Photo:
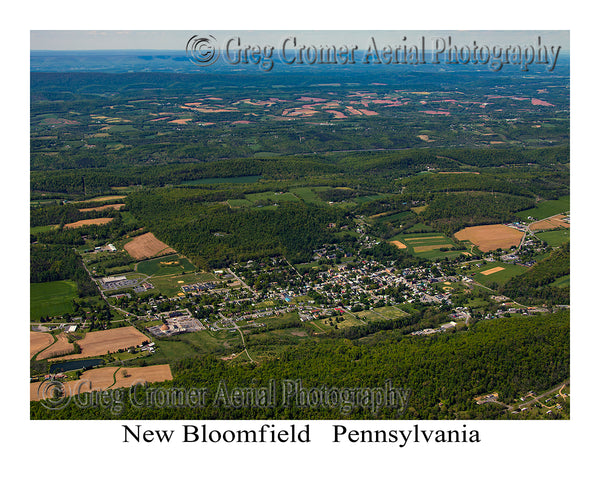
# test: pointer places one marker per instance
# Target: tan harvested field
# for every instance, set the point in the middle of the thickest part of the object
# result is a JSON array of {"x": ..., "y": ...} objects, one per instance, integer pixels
[
  {"x": 492, "y": 270},
  {"x": 416, "y": 239},
  {"x": 104, "y": 199},
  {"x": 420, "y": 209},
  {"x": 491, "y": 237},
  {"x": 106, "y": 341},
  {"x": 398, "y": 244},
  {"x": 116, "y": 206},
  {"x": 90, "y": 221},
  {"x": 147, "y": 246},
  {"x": 427, "y": 248},
  {"x": 549, "y": 223},
  {"x": 38, "y": 341},
  {"x": 91, "y": 380},
  {"x": 153, "y": 373},
  {"x": 60, "y": 347},
  {"x": 104, "y": 378}
]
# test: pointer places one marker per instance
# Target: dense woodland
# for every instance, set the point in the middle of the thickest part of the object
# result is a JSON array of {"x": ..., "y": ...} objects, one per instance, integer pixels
[{"x": 443, "y": 373}]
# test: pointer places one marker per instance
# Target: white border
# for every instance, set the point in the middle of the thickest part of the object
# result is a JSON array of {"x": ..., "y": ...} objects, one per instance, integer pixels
[{"x": 94, "y": 449}]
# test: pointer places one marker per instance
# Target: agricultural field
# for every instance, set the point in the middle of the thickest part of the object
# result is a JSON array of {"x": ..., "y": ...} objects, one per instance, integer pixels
[
  {"x": 107, "y": 377},
  {"x": 555, "y": 238},
  {"x": 564, "y": 281},
  {"x": 239, "y": 202},
  {"x": 547, "y": 208},
  {"x": 114, "y": 206},
  {"x": 426, "y": 245},
  {"x": 51, "y": 298},
  {"x": 557, "y": 221},
  {"x": 169, "y": 265},
  {"x": 106, "y": 198},
  {"x": 309, "y": 194},
  {"x": 106, "y": 341},
  {"x": 274, "y": 197},
  {"x": 58, "y": 348},
  {"x": 38, "y": 341},
  {"x": 491, "y": 237},
  {"x": 147, "y": 246},
  {"x": 89, "y": 221},
  {"x": 42, "y": 228}
]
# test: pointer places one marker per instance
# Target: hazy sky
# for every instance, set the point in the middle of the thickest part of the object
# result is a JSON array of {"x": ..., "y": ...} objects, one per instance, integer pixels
[{"x": 177, "y": 39}]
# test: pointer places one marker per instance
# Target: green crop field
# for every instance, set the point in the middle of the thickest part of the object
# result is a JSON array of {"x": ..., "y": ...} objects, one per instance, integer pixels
[
  {"x": 239, "y": 202},
  {"x": 43, "y": 228},
  {"x": 309, "y": 194},
  {"x": 555, "y": 238},
  {"x": 564, "y": 281},
  {"x": 169, "y": 265},
  {"x": 51, "y": 298},
  {"x": 547, "y": 208},
  {"x": 275, "y": 197}
]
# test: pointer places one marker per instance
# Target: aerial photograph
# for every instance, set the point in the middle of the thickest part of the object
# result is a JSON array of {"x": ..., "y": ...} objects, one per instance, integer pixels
[{"x": 299, "y": 225}]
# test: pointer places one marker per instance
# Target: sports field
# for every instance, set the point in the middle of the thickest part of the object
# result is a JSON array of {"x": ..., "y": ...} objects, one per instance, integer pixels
[
  {"x": 497, "y": 272},
  {"x": 51, "y": 298},
  {"x": 169, "y": 265}
]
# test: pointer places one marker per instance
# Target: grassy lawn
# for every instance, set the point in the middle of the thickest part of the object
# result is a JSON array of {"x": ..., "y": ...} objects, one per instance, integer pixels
[{"x": 51, "y": 298}]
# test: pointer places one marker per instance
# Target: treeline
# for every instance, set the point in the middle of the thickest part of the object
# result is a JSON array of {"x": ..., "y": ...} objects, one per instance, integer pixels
[
  {"x": 451, "y": 212},
  {"x": 49, "y": 263},
  {"x": 63, "y": 214},
  {"x": 376, "y": 170},
  {"x": 98, "y": 234},
  {"x": 533, "y": 286},
  {"x": 443, "y": 373},
  {"x": 521, "y": 183}
]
